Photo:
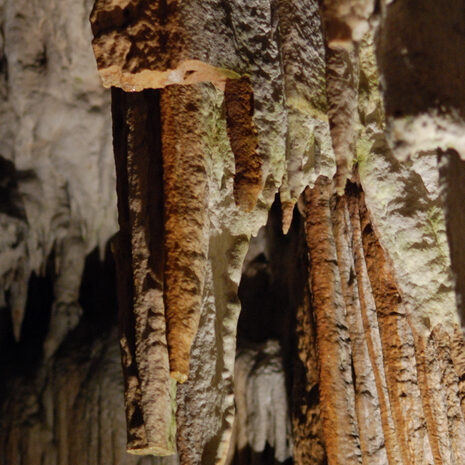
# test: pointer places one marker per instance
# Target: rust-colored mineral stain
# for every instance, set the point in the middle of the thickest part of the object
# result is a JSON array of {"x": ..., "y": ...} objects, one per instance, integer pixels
[
  {"x": 337, "y": 399},
  {"x": 400, "y": 349},
  {"x": 371, "y": 328},
  {"x": 186, "y": 223},
  {"x": 243, "y": 138}
]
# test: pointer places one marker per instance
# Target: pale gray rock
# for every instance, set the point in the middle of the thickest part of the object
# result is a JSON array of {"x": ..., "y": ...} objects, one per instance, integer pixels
[
  {"x": 405, "y": 202},
  {"x": 55, "y": 138}
]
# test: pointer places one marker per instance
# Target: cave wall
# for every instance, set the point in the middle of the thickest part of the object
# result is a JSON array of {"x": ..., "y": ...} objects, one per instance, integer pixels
[{"x": 289, "y": 270}]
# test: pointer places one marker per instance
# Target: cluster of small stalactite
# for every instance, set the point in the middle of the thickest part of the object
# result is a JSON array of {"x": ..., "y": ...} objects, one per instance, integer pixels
[
  {"x": 223, "y": 113},
  {"x": 388, "y": 393},
  {"x": 218, "y": 107}
]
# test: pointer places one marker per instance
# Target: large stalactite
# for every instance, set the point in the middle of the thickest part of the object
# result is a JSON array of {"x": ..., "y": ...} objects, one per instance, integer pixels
[{"x": 289, "y": 260}]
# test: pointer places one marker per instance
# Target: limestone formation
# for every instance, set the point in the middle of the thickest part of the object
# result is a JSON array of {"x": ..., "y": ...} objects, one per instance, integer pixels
[
  {"x": 250, "y": 331},
  {"x": 140, "y": 260},
  {"x": 239, "y": 105},
  {"x": 309, "y": 150},
  {"x": 186, "y": 224}
]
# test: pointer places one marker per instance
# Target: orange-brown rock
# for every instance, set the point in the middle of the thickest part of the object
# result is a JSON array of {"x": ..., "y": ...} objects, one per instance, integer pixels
[
  {"x": 238, "y": 95},
  {"x": 337, "y": 396},
  {"x": 142, "y": 44},
  {"x": 258, "y": 97},
  {"x": 309, "y": 445},
  {"x": 139, "y": 253},
  {"x": 367, "y": 402},
  {"x": 398, "y": 349},
  {"x": 185, "y": 190},
  {"x": 371, "y": 328}
]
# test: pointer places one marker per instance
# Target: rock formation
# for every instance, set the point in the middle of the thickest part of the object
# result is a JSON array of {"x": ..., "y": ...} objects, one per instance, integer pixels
[{"x": 289, "y": 260}]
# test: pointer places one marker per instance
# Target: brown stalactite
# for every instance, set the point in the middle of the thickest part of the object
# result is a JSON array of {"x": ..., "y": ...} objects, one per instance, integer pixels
[
  {"x": 337, "y": 396},
  {"x": 414, "y": 383},
  {"x": 371, "y": 328},
  {"x": 185, "y": 190},
  {"x": 238, "y": 96},
  {"x": 139, "y": 252},
  {"x": 308, "y": 435},
  {"x": 400, "y": 364},
  {"x": 219, "y": 107},
  {"x": 366, "y": 396}
]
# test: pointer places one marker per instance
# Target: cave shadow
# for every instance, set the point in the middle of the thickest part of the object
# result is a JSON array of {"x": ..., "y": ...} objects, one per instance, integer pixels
[
  {"x": 11, "y": 203},
  {"x": 272, "y": 287},
  {"x": 97, "y": 298},
  {"x": 250, "y": 457}
]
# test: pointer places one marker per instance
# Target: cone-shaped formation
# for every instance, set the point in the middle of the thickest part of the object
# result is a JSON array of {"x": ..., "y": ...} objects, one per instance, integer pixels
[{"x": 185, "y": 190}]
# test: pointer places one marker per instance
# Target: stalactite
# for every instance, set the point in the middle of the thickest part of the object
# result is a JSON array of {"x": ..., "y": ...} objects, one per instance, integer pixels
[
  {"x": 366, "y": 396},
  {"x": 371, "y": 328},
  {"x": 140, "y": 259},
  {"x": 66, "y": 311},
  {"x": 309, "y": 150},
  {"x": 308, "y": 435},
  {"x": 342, "y": 93},
  {"x": 238, "y": 95},
  {"x": 185, "y": 190},
  {"x": 218, "y": 107},
  {"x": 398, "y": 348},
  {"x": 337, "y": 395}
]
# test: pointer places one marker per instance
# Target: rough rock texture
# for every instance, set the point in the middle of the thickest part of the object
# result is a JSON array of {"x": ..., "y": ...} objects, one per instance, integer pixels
[
  {"x": 140, "y": 258},
  {"x": 374, "y": 314},
  {"x": 239, "y": 104},
  {"x": 337, "y": 343},
  {"x": 406, "y": 408},
  {"x": 309, "y": 150},
  {"x": 186, "y": 224}
]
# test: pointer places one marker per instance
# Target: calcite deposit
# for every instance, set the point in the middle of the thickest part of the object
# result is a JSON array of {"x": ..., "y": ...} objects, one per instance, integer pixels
[
  {"x": 288, "y": 264},
  {"x": 380, "y": 293}
]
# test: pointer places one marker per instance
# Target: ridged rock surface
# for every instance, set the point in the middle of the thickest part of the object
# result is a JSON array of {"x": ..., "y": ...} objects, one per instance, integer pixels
[
  {"x": 271, "y": 114},
  {"x": 338, "y": 123}
]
